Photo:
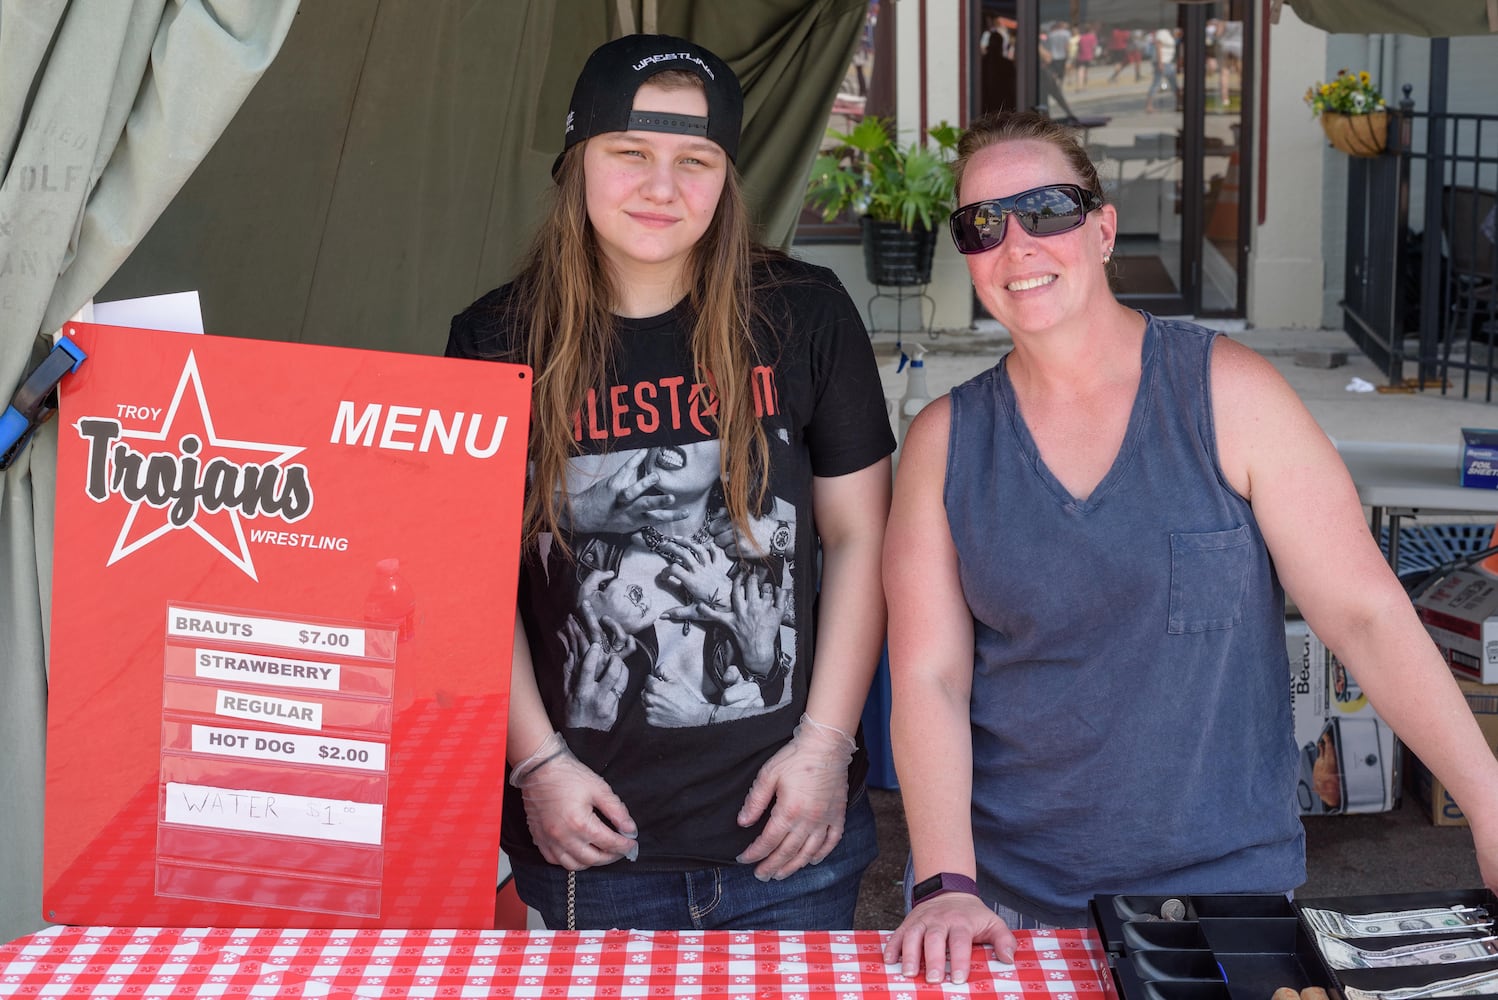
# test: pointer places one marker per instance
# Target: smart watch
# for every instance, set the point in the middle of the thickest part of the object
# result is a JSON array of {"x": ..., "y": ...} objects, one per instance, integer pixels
[{"x": 940, "y": 884}]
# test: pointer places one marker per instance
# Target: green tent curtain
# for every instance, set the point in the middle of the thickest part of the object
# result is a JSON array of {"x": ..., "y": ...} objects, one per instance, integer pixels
[
  {"x": 105, "y": 108},
  {"x": 1429, "y": 18},
  {"x": 392, "y": 163}
]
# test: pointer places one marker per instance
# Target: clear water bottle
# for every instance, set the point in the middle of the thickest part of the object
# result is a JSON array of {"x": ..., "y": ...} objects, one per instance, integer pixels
[{"x": 391, "y": 601}]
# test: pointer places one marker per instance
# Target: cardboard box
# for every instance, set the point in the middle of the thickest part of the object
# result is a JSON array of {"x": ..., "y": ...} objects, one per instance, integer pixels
[
  {"x": 1349, "y": 760},
  {"x": 1461, "y": 615},
  {"x": 1426, "y": 787},
  {"x": 1480, "y": 458}
]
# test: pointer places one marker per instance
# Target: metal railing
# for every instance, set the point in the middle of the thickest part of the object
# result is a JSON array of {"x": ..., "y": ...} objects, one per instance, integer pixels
[{"x": 1429, "y": 295}]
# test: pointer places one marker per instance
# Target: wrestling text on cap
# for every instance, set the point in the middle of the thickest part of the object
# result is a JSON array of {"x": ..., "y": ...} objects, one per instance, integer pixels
[{"x": 603, "y": 99}]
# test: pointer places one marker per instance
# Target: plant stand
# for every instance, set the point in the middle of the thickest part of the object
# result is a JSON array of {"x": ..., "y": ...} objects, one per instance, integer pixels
[
  {"x": 901, "y": 294},
  {"x": 897, "y": 262}
]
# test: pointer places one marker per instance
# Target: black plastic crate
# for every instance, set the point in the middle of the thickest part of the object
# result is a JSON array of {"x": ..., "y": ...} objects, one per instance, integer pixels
[
  {"x": 1223, "y": 946},
  {"x": 1426, "y": 546}
]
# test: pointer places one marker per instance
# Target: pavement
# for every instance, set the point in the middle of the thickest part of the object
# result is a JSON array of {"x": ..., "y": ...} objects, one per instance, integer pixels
[{"x": 1395, "y": 851}]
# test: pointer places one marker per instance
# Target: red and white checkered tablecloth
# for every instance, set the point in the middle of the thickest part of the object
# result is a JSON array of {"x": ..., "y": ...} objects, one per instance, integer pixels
[{"x": 222, "y": 962}]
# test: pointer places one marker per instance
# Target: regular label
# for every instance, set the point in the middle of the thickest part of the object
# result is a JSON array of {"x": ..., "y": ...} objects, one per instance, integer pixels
[
  {"x": 251, "y": 811},
  {"x": 263, "y": 708},
  {"x": 289, "y": 747}
]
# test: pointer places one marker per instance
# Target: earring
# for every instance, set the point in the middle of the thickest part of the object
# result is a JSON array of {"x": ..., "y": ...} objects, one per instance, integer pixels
[{"x": 1107, "y": 255}]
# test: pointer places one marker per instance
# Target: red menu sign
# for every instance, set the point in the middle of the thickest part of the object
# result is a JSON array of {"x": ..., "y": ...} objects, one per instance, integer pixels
[{"x": 281, "y": 633}]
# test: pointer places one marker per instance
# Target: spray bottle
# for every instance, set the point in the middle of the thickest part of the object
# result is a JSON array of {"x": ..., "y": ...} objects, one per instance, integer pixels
[{"x": 916, "y": 394}]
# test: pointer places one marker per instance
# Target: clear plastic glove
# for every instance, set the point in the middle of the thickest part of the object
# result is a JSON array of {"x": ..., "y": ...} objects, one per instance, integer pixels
[
  {"x": 574, "y": 816},
  {"x": 808, "y": 782}
]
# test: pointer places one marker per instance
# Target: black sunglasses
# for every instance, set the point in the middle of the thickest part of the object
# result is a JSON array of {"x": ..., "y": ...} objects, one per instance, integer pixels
[{"x": 1042, "y": 211}]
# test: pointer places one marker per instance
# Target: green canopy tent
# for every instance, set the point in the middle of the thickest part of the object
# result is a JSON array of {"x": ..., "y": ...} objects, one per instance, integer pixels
[
  {"x": 373, "y": 186},
  {"x": 347, "y": 173},
  {"x": 1429, "y": 18},
  {"x": 105, "y": 108}
]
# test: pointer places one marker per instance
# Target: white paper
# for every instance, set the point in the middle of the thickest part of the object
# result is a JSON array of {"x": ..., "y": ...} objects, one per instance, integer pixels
[
  {"x": 262, "y": 668},
  {"x": 294, "y": 748},
  {"x": 179, "y": 312},
  {"x": 190, "y": 623},
  {"x": 263, "y": 708},
  {"x": 251, "y": 811}
]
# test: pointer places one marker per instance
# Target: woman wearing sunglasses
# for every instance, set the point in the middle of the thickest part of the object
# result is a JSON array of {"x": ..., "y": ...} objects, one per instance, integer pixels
[
  {"x": 1084, "y": 564},
  {"x": 707, "y": 413}
]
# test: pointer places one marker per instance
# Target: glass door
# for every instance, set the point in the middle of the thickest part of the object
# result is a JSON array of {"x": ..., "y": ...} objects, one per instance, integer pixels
[
  {"x": 1158, "y": 90},
  {"x": 1226, "y": 139}
]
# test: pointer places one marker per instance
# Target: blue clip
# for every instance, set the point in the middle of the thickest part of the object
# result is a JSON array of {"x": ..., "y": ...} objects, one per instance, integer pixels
[{"x": 36, "y": 400}]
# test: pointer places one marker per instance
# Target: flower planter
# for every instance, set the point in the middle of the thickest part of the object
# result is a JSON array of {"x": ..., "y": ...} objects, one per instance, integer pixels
[
  {"x": 1357, "y": 135},
  {"x": 894, "y": 256}
]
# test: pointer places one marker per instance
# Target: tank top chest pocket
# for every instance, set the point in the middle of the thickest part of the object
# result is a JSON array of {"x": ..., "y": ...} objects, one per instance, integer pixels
[{"x": 1208, "y": 573}]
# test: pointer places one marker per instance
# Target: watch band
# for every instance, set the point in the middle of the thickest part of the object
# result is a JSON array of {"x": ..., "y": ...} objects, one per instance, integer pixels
[{"x": 940, "y": 884}]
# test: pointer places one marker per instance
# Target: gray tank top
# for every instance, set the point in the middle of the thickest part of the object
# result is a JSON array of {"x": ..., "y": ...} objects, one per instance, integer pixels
[{"x": 1130, "y": 705}]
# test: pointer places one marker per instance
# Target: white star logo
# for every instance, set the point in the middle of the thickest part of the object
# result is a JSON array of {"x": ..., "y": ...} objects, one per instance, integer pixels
[{"x": 230, "y": 539}]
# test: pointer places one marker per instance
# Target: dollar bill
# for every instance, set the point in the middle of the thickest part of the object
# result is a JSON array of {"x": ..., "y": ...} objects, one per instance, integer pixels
[
  {"x": 1474, "y": 985},
  {"x": 1341, "y": 954},
  {"x": 1434, "y": 920}
]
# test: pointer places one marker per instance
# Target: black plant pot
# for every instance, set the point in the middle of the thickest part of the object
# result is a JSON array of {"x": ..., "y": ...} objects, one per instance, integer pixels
[{"x": 894, "y": 256}]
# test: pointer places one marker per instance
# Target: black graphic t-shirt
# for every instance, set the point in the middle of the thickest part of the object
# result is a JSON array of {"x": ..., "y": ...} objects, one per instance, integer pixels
[{"x": 672, "y": 654}]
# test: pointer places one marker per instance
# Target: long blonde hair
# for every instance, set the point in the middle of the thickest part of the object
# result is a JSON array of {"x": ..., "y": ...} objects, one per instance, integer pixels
[{"x": 564, "y": 303}]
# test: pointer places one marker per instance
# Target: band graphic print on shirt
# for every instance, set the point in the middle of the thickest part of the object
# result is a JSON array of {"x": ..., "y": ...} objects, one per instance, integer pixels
[{"x": 672, "y": 607}]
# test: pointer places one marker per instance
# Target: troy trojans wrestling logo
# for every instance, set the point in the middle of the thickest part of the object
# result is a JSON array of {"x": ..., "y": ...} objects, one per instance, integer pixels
[{"x": 184, "y": 476}]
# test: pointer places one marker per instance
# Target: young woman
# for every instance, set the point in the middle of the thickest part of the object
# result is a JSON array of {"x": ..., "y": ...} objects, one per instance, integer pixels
[
  {"x": 703, "y": 523},
  {"x": 1084, "y": 564}
]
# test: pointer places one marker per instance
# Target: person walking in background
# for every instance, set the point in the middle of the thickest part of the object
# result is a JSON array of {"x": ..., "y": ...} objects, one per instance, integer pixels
[
  {"x": 992, "y": 34},
  {"x": 1057, "y": 42},
  {"x": 1140, "y": 50},
  {"x": 1163, "y": 42},
  {"x": 1130, "y": 47},
  {"x": 1232, "y": 45},
  {"x": 700, "y": 610},
  {"x": 1118, "y": 52},
  {"x": 1084, "y": 566},
  {"x": 1086, "y": 52}
]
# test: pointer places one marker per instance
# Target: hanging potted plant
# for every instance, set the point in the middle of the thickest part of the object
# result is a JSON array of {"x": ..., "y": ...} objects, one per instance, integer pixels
[
  {"x": 901, "y": 193},
  {"x": 1352, "y": 113}
]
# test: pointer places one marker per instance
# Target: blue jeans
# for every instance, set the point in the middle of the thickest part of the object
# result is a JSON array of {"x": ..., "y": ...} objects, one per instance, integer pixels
[
  {"x": 1165, "y": 75},
  {"x": 818, "y": 897}
]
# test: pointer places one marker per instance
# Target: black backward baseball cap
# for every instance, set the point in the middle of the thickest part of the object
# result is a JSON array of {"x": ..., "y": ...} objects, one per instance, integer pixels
[{"x": 604, "y": 96}]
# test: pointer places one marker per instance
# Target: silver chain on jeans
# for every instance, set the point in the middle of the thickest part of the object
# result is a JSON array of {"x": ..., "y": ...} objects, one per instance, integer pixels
[{"x": 572, "y": 901}]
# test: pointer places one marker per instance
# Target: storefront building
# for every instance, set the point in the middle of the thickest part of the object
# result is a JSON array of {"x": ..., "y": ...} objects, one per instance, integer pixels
[{"x": 1232, "y": 206}]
